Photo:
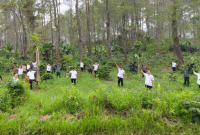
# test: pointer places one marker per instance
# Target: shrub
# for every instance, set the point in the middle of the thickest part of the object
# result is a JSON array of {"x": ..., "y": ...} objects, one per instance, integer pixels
[
  {"x": 147, "y": 103},
  {"x": 103, "y": 72},
  {"x": 47, "y": 76}
]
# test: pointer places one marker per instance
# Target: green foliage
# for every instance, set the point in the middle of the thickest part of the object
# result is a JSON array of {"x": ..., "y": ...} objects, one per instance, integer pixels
[
  {"x": 147, "y": 103},
  {"x": 103, "y": 72},
  {"x": 47, "y": 76},
  {"x": 151, "y": 49}
]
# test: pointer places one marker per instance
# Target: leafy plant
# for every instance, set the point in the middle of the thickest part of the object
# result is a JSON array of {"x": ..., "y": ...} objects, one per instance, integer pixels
[
  {"x": 103, "y": 72},
  {"x": 47, "y": 76}
]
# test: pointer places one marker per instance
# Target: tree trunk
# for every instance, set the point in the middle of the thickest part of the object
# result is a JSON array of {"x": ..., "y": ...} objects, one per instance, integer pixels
[
  {"x": 177, "y": 48},
  {"x": 108, "y": 29},
  {"x": 88, "y": 28},
  {"x": 16, "y": 33},
  {"x": 38, "y": 64},
  {"x": 136, "y": 20},
  {"x": 124, "y": 33},
  {"x": 79, "y": 31}
]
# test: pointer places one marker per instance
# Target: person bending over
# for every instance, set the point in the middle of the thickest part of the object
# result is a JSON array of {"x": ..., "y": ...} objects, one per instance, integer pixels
[
  {"x": 73, "y": 76},
  {"x": 149, "y": 79},
  {"x": 31, "y": 77},
  {"x": 198, "y": 76},
  {"x": 120, "y": 75}
]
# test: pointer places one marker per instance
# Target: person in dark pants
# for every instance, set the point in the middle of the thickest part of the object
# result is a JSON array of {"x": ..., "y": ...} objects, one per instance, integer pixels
[
  {"x": 149, "y": 79},
  {"x": 73, "y": 76},
  {"x": 31, "y": 77},
  {"x": 198, "y": 77},
  {"x": 48, "y": 68},
  {"x": 58, "y": 68},
  {"x": 81, "y": 65},
  {"x": 54, "y": 67},
  {"x": 95, "y": 68},
  {"x": 144, "y": 68},
  {"x": 90, "y": 68},
  {"x": 173, "y": 65},
  {"x": 121, "y": 74},
  {"x": 1, "y": 77},
  {"x": 186, "y": 75}
]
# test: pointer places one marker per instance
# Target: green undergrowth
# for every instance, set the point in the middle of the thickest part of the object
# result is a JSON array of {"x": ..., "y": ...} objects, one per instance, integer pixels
[{"x": 96, "y": 106}]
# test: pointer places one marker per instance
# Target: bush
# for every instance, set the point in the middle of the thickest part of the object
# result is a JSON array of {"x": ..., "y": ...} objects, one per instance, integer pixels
[
  {"x": 103, "y": 72},
  {"x": 47, "y": 76},
  {"x": 147, "y": 103}
]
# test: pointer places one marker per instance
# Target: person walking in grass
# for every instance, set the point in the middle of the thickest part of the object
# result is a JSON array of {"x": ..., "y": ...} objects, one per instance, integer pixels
[
  {"x": 20, "y": 72},
  {"x": 58, "y": 68},
  {"x": 24, "y": 69},
  {"x": 90, "y": 68},
  {"x": 186, "y": 75},
  {"x": 48, "y": 68},
  {"x": 144, "y": 68},
  {"x": 173, "y": 65},
  {"x": 81, "y": 65},
  {"x": 54, "y": 67},
  {"x": 31, "y": 77},
  {"x": 120, "y": 75},
  {"x": 73, "y": 76},
  {"x": 28, "y": 66},
  {"x": 149, "y": 79},
  {"x": 198, "y": 76},
  {"x": 95, "y": 68}
]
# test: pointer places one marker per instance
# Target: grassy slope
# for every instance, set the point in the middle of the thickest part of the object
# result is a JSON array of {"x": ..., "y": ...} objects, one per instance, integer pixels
[{"x": 45, "y": 113}]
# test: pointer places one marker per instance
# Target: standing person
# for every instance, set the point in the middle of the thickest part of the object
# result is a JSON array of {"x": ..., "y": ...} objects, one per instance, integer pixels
[
  {"x": 149, "y": 79},
  {"x": 20, "y": 71},
  {"x": 198, "y": 76},
  {"x": 28, "y": 66},
  {"x": 58, "y": 68},
  {"x": 24, "y": 69},
  {"x": 144, "y": 68},
  {"x": 81, "y": 65},
  {"x": 95, "y": 68},
  {"x": 48, "y": 68},
  {"x": 15, "y": 78},
  {"x": 54, "y": 67},
  {"x": 73, "y": 76},
  {"x": 120, "y": 75},
  {"x": 186, "y": 75},
  {"x": 173, "y": 65},
  {"x": 34, "y": 64},
  {"x": 31, "y": 77},
  {"x": 15, "y": 69},
  {"x": 90, "y": 68}
]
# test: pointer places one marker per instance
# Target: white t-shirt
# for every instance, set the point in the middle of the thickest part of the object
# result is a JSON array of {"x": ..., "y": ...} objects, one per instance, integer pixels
[
  {"x": 96, "y": 67},
  {"x": 81, "y": 64},
  {"x": 148, "y": 79},
  {"x": 28, "y": 66},
  {"x": 121, "y": 73},
  {"x": 34, "y": 64},
  {"x": 198, "y": 75},
  {"x": 20, "y": 71},
  {"x": 48, "y": 68},
  {"x": 30, "y": 74},
  {"x": 73, "y": 74},
  {"x": 15, "y": 80},
  {"x": 173, "y": 64}
]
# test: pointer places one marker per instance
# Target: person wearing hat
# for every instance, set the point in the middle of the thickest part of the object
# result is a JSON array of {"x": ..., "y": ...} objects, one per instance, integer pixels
[
  {"x": 120, "y": 75},
  {"x": 73, "y": 76},
  {"x": 31, "y": 76}
]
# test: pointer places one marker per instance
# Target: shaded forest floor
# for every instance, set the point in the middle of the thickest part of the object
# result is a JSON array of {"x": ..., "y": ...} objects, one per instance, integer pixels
[{"x": 100, "y": 107}]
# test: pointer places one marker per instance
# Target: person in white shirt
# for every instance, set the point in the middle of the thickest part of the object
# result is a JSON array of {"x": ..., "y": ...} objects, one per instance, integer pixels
[
  {"x": 34, "y": 64},
  {"x": 95, "y": 68},
  {"x": 31, "y": 76},
  {"x": 20, "y": 72},
  {"x": 28, "y": 66},
  {"x": 120, "y": 75},
  {"x": 73, "y": 76},
  {"x": 149, "y": 79},
  {"x": 15, "y": 78},
  {"x": 48, "y": 68},
  {"x": 198, "y": 77},
  {"x": 81, "y": 65},
  {"x": 173, "y": 65}
]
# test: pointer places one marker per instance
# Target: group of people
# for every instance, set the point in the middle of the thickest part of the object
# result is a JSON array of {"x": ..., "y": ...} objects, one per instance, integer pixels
[{"x": 20, "y": 71}]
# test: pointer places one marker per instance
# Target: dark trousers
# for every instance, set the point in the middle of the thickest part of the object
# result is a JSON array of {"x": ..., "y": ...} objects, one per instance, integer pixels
[
  {"x": 90, "y": 71},
  {"x": 1, "y": 77},
  {"x": 148, "y": 87},
  {"x": 57, "y": 74},
  {"x": 53, "y": 70},
  {"x": 31, "y": 83},
  {"x": 143, "y": 74},
  {"x": 95, "y": 72},
  {"x": 48, "y": 71},
  {"x": 120, "y": 80},
  {"x": 174, "y": 69},
  {"x": 73, "y": 81},
  {"x": 81, "y": 69},
  {"x": 199, "y": 86},
  {"x": 186, "y": 80}
]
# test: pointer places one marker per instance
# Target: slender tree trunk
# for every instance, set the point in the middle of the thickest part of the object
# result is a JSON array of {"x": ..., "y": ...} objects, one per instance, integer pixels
[
  {"x": 108, "y": 29},
  {"x": 16, "y": 33},
  {"x": 88, "y": 28},
  {"x": 51, "y": 23},
  {"x": 136, "y": 20},
  {"x": 79, "y": 31},
  {"x": 177, "y": 48},
  {"x": 124, "y": 32}
]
